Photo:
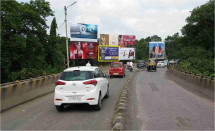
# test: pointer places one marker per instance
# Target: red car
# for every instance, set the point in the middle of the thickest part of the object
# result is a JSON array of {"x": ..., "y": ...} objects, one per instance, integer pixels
[{"x": 117, "y": 69}]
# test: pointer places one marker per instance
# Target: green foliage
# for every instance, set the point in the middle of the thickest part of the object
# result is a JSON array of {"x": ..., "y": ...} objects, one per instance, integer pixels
[
  {"x": 25, "y": 46},
  {"x": 196, "y": 47},
  {"x": 141, "y": 50},
  {"x": 153, "y": 38},
  {"x": 142, "y": 47}
]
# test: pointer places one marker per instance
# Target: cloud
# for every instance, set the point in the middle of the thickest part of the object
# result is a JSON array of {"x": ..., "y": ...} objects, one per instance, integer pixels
[
  {"x": 161, "y": 23},
  {"x": 107, "y": 8},
  {"x": 142, "y": 18},
  {"x": 89, "y": 19},
  {"x": 130, "y": 14}
]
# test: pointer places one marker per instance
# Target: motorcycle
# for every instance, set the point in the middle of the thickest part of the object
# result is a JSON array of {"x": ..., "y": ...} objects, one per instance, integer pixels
[{"x": 130, "y": 68}]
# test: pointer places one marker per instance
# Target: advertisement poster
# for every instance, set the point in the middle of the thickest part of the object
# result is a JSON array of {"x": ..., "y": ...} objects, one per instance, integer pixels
[
  {"x": 108, "y": 53},
  {"x": 83, "y": 32},
  {"x": 113, "y": 39},
  {"x": 83, "y": 50},
  {"x": 126, "y": 40},
  {"x": 156, "y": 50},
  {"x": 127, "y": 53},
  {"x": 104, "y": 39}
]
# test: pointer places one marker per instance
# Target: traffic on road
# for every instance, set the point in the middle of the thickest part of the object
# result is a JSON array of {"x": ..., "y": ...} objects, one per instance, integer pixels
[
  {"x": 107, "y": 65},
  {"x": 157, "y": 98}
]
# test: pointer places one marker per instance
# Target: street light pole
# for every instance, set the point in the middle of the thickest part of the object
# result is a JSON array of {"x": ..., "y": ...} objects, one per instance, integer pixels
[
  {"x": 67, "y": 53},
  {"x": 67, "y": 50}
]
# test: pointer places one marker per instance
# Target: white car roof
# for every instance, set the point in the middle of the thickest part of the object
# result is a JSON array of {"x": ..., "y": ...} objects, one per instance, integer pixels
[{"x": 82, "y": 68}]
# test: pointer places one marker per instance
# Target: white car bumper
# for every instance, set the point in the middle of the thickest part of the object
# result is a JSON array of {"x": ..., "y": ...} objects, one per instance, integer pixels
[{"x": 76, "y": 98}]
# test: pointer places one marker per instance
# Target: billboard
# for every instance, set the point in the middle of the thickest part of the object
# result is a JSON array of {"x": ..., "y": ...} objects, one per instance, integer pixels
[
  {"x": 113, "y": 39},
  {"x": 108, "y": 53},
  {"x": 127, "y": 53},
  {"x": 83, "y": 32},
  {"x": 83, "y": 50},
  {"x": 126, "y": 40},
  {"x": 156, "y": 50},
  {"x": 104, "y": 39}
]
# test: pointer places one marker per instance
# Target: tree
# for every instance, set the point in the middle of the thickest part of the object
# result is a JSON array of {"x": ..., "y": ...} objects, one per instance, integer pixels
[
  {"x": 196, "y": 47},
  {"x": 199, "y": 30},
  {"x": 156, "y": 38},
  {"x": 153, "y": 38},
  {"x": 142, "y": 48},
  {"x": 23, "y": 37},
  {"x": 52, "y": 43}
]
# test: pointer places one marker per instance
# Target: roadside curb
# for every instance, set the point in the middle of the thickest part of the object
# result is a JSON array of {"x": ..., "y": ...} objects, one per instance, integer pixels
[
  {"x": 198, "y": 84},
  {"x": 120, "y": 107}
]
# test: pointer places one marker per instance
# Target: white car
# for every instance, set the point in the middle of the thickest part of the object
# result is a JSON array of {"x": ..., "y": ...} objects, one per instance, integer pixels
[
  {"x": 165, "y": 63},
  {"x": 161, "y": 64},
  {"x": 81, "y": 85},
  {"x": 172, "y": 61}
]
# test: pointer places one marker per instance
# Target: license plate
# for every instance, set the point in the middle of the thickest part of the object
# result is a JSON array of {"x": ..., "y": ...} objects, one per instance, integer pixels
[
  {"x": 116, "y": 73},
  {"x": 74, "y": 98}
]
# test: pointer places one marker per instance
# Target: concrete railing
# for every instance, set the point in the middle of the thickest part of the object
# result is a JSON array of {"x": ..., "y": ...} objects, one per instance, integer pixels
[
  {"x": 15, "y": 93},
  {"x": 18, "y": 92},
  {"x": 204, "y": 86}
]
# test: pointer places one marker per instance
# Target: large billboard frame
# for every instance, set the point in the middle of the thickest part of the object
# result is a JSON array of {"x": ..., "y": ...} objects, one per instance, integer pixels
[
  {"x": 86, "y": 49},
  {"x": 127, "y": 54},
  {"x": 108, "y": 60},
  {"x": 81, "y": 32},
  {"x": 126, "y": 41},
  {"x": 163, "y": 51}
]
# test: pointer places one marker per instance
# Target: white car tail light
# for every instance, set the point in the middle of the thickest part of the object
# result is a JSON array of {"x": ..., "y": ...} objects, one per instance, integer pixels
[
  {"x": 59, "y": 83},
  {"x": 91, "y": 99},
  {"x": 93, "y": 82},
  {"x": 58, "y": 99}
]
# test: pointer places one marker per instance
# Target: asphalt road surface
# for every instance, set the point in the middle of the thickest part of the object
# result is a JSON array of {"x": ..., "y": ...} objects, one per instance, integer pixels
[
  {"x": 157, "y": 103},
  {"x": 40, "y": 114}
]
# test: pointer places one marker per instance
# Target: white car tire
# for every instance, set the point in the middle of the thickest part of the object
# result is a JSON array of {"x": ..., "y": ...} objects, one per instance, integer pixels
[
  {"x": 99, "y": 105},
  {"x": 108, "y": 92},
  {"x": 59, "y": 108}
]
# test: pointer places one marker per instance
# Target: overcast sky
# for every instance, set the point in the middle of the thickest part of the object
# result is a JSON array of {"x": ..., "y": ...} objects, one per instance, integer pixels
[{"x": 142, "y": 18}]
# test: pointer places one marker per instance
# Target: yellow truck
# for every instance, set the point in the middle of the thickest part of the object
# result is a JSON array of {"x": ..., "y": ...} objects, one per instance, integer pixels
[{"x": 151, "y": 65}]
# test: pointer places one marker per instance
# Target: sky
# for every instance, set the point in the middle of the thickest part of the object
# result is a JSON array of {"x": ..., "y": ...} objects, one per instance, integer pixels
[{"x": 141, "y": 18}]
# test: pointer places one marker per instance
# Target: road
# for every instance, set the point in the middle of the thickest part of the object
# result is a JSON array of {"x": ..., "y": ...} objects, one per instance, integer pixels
[
  {"x": 40, "y": 114},
  {"x": 157, "y": 103}
]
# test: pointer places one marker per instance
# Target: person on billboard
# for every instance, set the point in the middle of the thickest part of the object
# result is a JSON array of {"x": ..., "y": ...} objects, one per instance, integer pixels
[
  {"x": 131, "y": 53},
  {"x": 103, "y": 40},
  {"x": 103, "y": 52},
  {"x": 121, "y": 42},
  {"x": 153, "y": 52},
  {"x": 78, "y": 53},
  {"x": 156, "y": 51},
  {"x": 159, "y": 51}
]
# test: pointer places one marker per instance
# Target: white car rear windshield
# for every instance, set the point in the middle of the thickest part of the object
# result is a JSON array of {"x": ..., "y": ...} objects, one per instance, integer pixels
[{"x": 76, "y": 75}]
